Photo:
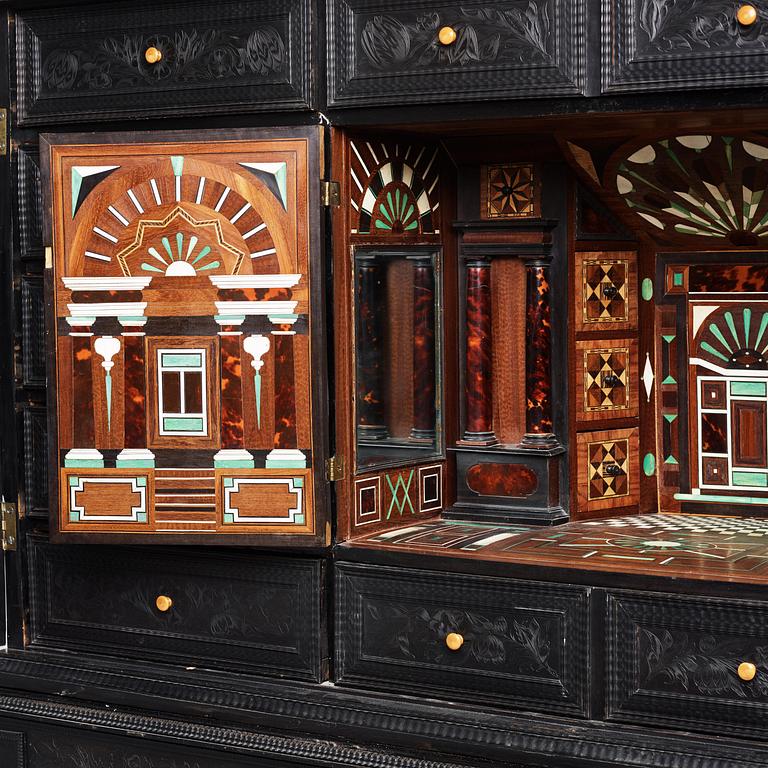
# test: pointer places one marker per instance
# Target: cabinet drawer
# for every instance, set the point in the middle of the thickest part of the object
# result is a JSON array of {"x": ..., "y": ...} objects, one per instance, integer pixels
[
  {"x": 653, "y": 45},
  {"x": 227, "y": 56},
  {"x": 390, "y": 53},
  {"x": 676, "y": 660},
  {"x": 525, "y": 644},
  {"x": 246, "y": 612}
]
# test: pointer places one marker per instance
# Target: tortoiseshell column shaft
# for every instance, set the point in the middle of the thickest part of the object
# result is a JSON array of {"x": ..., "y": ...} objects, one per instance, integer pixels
[
  {"x": 371, "y": 418},
  {"x": 83, "y": 433},
  {"x": 232, "y": 427},
  {"x": 135, "y": 392},
  {"x": 285, "y": 391},
  {"x": 478, "y": 380},
  {"x": 538, "y": 355},
  {"x": 423, "y": 350}
]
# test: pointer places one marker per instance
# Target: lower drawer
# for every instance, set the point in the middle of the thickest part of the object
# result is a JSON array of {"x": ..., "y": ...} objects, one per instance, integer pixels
[
  {"x": 677, "y": 661},
  {"x": 523, "y": 644},
  {"x": 228, "y": 611}
]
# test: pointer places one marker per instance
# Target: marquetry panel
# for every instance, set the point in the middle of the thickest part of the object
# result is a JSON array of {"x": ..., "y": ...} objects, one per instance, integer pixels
[
  {"x": 606, "y": 291},
  {"x": 185, "y": 336},
  {"x": 607, "y": 379},
  {"x": 509, "y": 191},
  {"x": 608, "y": 469}
]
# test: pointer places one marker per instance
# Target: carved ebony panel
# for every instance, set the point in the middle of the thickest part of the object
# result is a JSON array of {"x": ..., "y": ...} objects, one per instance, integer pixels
[
  {"x": 101, "y": 62},
  {"x": 35, "y": 461},
  {"x": 29, "y": 203},
  {"x": 257, "y": 614},
  {"x": 524, "y": 644},
  {"x": 675, "y": 660},
  {"x": 12, "y": 749},
  {"x": 32, "y": 332},
  {"x": 651, "y": 45},
  {"x": 385, "y": 53}
]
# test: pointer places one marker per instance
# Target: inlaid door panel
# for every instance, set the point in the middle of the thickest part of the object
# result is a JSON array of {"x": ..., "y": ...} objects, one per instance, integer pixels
[{"x": 184, "y": 295}]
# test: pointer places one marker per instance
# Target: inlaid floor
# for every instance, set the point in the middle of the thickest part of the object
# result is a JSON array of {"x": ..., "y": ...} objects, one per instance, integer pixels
[{"x": 694, "y": 546}]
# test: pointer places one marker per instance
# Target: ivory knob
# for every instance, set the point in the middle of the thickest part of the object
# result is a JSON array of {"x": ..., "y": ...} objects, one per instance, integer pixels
[
  {"x": 153, "y": 55},
  {"x": 747, "y": 671},
  {"x": 163, "y": 603},
  {"x": 454, "y": 641},
  {"x": 447, "y": 35},
  {"x": 747, "y": 14}
]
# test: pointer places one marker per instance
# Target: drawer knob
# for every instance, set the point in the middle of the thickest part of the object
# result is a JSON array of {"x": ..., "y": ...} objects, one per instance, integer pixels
[
  {"x": 454, "y": 641},
  {"x": 747, "y": 14},
  {"x": 747, "y": 671},
  {"x": 163, "y": 603},
  {"x": 153, "y": 55},
  {"x": 447, "y": 35}
]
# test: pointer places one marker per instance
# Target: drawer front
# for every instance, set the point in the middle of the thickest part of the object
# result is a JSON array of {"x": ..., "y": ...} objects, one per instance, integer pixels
[
  {"x": 654, "y": 45},
  {"x": 250, "y": 613},
  {"x": 676, "y": 660},
  {"x": 390, "y": 53},
  {"x": 525, "y": 644},
  {"x": 216, "y": 57}
]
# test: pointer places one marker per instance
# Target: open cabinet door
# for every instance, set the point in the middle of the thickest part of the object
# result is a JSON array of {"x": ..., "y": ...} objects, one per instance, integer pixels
[{"x": 188, "y": 398}]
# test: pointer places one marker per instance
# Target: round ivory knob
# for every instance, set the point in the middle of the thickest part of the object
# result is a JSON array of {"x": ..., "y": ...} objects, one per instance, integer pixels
[
  {"x": 447, "y": 35},
  {"x": 747, "y": 14},
  {"x": 163, "y": 603},
  {"x": 454, "y": 641},
  {"x": 747, "y": 671},
  {"x": 153, "y": 55}
]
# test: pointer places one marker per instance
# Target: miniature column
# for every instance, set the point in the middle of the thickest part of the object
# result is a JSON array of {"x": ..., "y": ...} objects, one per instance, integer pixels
[{"x": 423, "y": 349}]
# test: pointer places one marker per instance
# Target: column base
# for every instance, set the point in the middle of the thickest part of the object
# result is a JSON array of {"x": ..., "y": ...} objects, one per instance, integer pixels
[
  {"x": 533, "y": 440},
  {"x": 283, "y": 458},
  {"x": 84, "y": 458},
  {"x": 371, "y": 432},
  {"x": 233, "y": 459},
  {"x": 135, "y": 458},
  {"x": 478, "y": 439}
]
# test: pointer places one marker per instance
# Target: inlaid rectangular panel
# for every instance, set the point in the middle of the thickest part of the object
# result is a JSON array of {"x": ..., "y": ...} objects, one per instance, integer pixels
[
  {"x": 189, "y": 374},
  {"x": 122, "y": 59},
  {"x": 605, "y": 291},
  {"x": 380, "y": 53},
  {"x": 608, "y": 464},
  {"x": 607, "y": 380}
]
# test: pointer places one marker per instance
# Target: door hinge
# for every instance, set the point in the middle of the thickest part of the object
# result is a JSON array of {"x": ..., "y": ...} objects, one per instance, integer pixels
[
  {"x": 8, "y": 512},
  {"x": 334, "y": 468},
  {"x": 330, "y": 193},
  {"x": 3, "y": 132}
]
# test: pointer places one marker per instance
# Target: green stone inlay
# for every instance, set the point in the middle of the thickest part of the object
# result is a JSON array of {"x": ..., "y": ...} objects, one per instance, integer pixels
[
  {"x": 141, "y": 482},
  {"x": 719, "y": 335},
  {"x": 74, "y": 517},
  {"x": 761, "y": 330},
  {"x": 647, "y": 289},
  {"x": 299, "y": 520},
  {"x": 705, "y": 345},
  {"x": 298, "y": 482},
  {"x": 135, "y": 464},
  {"x": 677, "y": 278},
  {"x": 732, "y": 328},
  {"x": 670, "y": 460},
  {"x": 182, "y": 424},
  {"x": 670, "y": 417},
  {"x": 229, "y": 319},
  {"x": 753, "y": 479},
  {"x": 229, "y": 517},
  {"x": 84, "y": 463},
  {"x": 720, "y": 499},
  {"x": 649, "y": 465},
  {"x": 73, "y": 480},
  {"x": 669, "y": 380},
  {"x": 229, "y": 482},
  {"x": 286, "y": 464},
  {"x": 177, "y": 162},
  {"x": 669, "y": 338},
  {"x": 182, "y": 361},
  {"x": 233, "y": 463},
  {"x": 748, "y": 388},
  {"x": 141, "y": 517}
]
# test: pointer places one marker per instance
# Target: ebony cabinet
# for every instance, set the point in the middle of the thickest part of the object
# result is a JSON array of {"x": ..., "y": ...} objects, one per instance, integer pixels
[
  {"x": 519, "y": 644},
  {"x": 262, "y": 615},
  {"x": 128, "y": 60},
  {"x": 676, "y": 660},
  {"x": 397, "y": 53}
]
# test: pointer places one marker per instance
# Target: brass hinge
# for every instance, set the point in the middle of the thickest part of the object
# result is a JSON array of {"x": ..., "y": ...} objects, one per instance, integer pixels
[
  {"x": 8, "y": 512},
  {"x": 3, "y": 132},
  {"x": 334, "y": 468},
  {"x": 330, "y": 193}
]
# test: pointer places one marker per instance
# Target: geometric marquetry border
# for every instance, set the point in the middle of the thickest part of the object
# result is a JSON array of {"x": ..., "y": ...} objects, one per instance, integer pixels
[
  {"x": 625, "y": 442},
  {"x": 630, "y": 408}
]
